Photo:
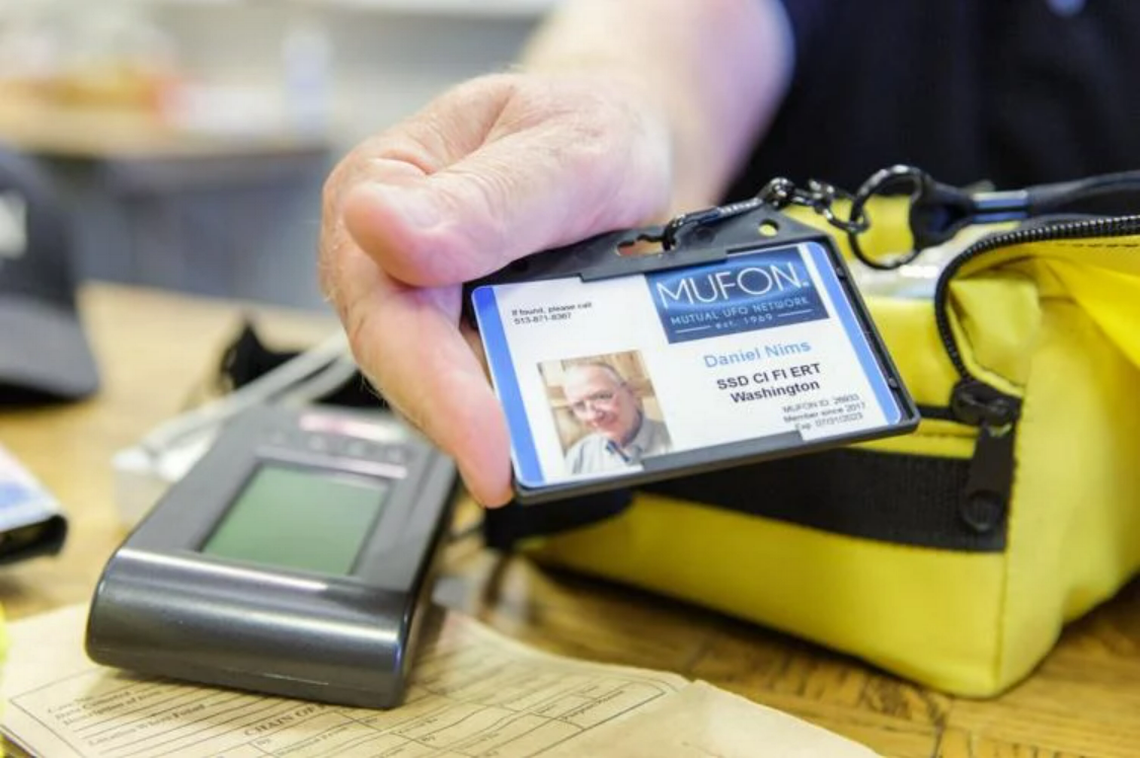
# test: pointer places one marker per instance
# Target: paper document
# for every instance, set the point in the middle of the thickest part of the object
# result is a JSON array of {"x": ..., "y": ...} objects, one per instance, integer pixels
[{"x": 474, "y": 693}]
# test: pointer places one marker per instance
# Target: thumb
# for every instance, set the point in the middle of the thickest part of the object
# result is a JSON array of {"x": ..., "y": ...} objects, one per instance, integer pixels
[{"x": 535, "y": 189}]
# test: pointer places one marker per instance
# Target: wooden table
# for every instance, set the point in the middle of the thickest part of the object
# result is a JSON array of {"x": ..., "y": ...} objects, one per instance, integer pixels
[{"x": 155, "y": 347}]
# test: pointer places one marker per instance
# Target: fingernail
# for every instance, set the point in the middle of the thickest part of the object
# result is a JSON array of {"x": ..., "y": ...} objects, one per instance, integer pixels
[{"x": 416, "y": 207}]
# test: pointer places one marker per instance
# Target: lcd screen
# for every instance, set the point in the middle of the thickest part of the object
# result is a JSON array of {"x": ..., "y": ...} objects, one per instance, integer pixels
[{"x": 300, "y": 518}]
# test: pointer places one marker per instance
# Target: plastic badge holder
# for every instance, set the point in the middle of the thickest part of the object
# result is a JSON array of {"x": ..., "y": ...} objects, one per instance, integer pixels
[{"x": 718, "y": 305}]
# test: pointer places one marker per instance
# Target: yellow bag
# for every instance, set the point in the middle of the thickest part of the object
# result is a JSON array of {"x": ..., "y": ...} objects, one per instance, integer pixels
[{"x": 951, "y": 556}]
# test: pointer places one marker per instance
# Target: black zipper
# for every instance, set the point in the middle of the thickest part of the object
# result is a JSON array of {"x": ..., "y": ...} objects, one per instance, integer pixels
[
  {"x": 990, "y": 479},
  {"x": 936, "y": 412}
]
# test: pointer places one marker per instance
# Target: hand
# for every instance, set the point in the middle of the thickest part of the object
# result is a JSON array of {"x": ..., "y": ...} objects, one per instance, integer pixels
[{"x": 498, "y": 168}]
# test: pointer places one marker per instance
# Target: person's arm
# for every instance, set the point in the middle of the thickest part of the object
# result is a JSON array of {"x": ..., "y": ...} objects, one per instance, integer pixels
[
  {"x": 716, "y": 68},
  {"x": 622, "y": 111}
]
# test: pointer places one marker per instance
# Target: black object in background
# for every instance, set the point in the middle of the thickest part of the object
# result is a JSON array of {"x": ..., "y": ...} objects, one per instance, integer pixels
[
  {"x": 44, "y": 352},
  {"x": 247, "y": 358}
]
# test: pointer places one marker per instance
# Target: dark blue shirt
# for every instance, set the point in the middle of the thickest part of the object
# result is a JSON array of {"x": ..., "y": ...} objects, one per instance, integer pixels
[{"x": 1012, "y": 91}]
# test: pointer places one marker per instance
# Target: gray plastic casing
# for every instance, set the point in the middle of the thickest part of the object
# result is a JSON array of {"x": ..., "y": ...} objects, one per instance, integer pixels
[{"x": 163, "y": 607}]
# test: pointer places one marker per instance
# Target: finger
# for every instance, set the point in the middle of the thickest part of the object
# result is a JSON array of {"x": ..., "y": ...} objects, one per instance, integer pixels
[
  {"x": 480, "y": 214},
  {"x": 542, "y": 186},
  {"x": 409, "y": 348},
  {"x": 406, "y": 342}
]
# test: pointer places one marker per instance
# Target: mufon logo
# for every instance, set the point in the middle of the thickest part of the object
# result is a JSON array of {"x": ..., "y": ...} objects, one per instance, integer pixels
[{"x": 744, "y": 293}]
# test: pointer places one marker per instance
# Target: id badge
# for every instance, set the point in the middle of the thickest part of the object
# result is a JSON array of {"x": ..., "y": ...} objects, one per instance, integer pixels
[{"x": 730, "y": 348}]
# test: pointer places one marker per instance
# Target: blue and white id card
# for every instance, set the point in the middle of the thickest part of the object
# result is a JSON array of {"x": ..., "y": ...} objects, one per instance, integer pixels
[{"x": 684, "y": 369}]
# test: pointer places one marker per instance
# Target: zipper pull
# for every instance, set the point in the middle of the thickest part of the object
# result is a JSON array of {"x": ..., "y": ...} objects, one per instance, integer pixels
[{"x": 989, "y": 483}]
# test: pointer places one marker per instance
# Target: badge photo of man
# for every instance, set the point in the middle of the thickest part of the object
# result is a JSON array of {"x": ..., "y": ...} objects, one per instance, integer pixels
[{"x": 611, "y": 428}]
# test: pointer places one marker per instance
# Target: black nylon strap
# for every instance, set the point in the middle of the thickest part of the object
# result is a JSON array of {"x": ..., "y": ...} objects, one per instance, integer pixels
[
  {"x": 904, "y": 499},
  {"x": 504, "y": 527},
  {"x": 901, "y": 499}
]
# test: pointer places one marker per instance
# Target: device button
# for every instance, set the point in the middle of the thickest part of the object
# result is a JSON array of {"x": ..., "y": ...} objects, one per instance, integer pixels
[
  {"x": 395, "y": 454},
  {"x": 278, "y": 437},
  {"x": 359, "y": 449}
]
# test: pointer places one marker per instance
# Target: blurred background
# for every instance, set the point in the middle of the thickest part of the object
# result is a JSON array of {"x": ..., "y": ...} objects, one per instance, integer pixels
[{"x": 189, "y": 139}]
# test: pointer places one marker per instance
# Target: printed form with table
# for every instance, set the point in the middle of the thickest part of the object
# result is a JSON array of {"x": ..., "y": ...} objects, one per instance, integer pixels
[{"x": 474, "y": 692}]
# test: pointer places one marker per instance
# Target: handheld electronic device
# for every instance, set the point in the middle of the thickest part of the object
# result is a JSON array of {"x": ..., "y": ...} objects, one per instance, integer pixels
[{"x": 292, "y": 559}]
